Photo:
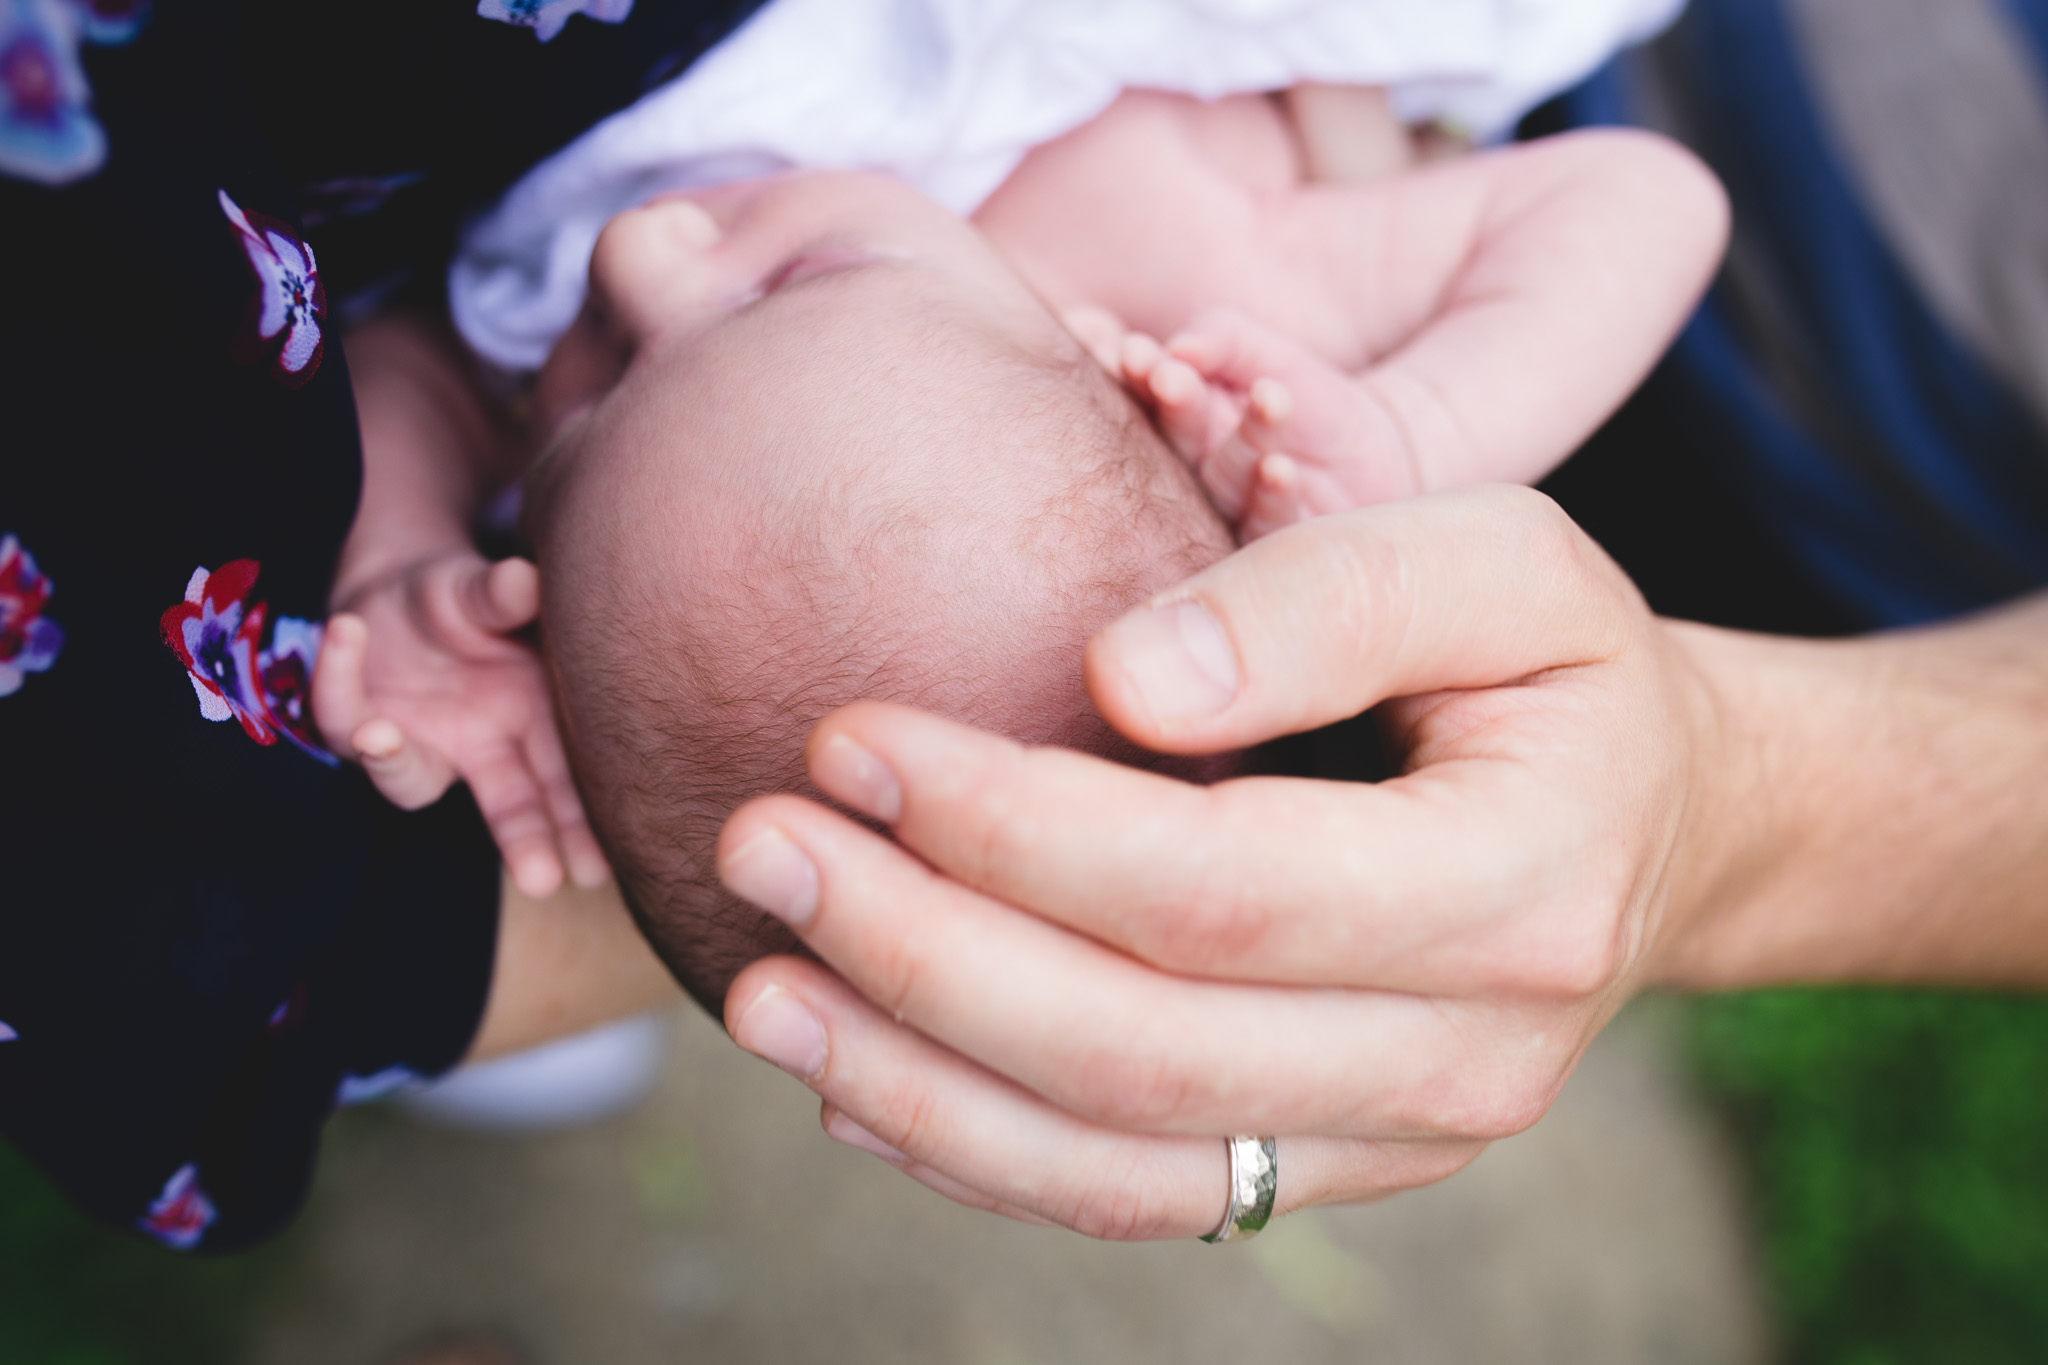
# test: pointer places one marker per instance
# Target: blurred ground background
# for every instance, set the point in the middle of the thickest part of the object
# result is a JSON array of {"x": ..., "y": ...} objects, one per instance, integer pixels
[
  {"x": 718, "y": 1223},
  {"x": 1862, "y": 1179}
]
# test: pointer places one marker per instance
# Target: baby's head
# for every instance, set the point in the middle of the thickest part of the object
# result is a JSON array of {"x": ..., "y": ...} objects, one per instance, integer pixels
[{"x": 821, "y": 444}]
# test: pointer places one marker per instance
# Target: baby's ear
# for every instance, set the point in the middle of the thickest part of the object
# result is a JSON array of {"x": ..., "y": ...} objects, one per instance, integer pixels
[{"x": 649, "y": 266}]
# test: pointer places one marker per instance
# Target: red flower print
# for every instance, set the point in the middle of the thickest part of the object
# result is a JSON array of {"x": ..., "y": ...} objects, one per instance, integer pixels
[
  {"x": 284, "y": 680},
  {"x": 214, "y": 632},
  {"x": 29, "y": 641},
  {"x": 182, "y": 1213},
  {"x": 217, "y": 633},
  {"x": 290, "y": 301}
]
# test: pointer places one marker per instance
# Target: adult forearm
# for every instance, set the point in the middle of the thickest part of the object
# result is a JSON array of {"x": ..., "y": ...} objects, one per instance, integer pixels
[{"x": 1882, "y": 808}]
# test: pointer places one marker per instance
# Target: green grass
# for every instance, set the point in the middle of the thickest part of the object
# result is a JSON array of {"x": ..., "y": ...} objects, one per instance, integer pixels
[
  {"x": 1899, "y": 1146},
  {"x": 74, "y": 1293}
]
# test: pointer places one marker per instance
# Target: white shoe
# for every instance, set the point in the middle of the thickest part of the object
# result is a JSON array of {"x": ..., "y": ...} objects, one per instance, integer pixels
[{"x": 571, "y": 1081}]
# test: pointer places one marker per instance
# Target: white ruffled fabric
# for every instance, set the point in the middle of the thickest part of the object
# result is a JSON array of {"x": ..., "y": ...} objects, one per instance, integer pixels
[{"x": 950, "y": 95}]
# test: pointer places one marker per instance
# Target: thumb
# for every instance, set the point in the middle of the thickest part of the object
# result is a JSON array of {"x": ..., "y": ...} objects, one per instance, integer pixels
[
  {"x": 470, "y": 595},
  {"x": 511, "y": 596},
  {"x": 1328, "y": 618}
]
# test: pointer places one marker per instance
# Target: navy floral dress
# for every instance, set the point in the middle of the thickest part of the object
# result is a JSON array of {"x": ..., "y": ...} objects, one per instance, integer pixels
[{"x": 211, "y": 932}]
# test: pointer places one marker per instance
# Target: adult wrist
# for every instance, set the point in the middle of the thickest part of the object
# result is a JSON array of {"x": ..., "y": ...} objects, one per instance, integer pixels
[
  {"x": 1877, "y": 810},
  {"x": 1756, "y": 721}
]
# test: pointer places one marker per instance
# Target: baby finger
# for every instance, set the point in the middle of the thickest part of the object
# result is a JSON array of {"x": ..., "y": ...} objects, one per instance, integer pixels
[
  {"x": 409, "y": 776},
  {"x": 586, "y": 862},
  {"x": 511, "y": 802}
]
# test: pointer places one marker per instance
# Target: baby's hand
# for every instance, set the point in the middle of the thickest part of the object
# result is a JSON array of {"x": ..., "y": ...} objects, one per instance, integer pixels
[
  {"x": 1275, "y": 433},
  {"x": 419, "y": 680}
]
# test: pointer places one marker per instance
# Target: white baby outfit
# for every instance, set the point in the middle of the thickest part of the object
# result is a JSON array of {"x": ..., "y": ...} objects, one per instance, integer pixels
[{"x": 950, "y": 95}]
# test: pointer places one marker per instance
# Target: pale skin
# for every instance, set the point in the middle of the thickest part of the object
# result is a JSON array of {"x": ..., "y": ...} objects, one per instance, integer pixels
[
  {"x": 1332, "y": 344},
  {"x": 1594, "y": 802},
  {"x": 1348, "y": 319}
]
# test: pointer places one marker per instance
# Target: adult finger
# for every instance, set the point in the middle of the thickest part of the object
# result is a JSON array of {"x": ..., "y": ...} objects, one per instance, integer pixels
[
  {"x": 932, "y": 1113},
  {"x": 1115, "y": 1041},
  {"x": 1318, "y": 622},
  {"x": 1435, "y": 883}
]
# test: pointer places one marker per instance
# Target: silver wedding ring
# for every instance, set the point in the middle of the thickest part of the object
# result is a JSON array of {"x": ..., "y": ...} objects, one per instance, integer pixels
[{"x": 1254, "y": 1181}]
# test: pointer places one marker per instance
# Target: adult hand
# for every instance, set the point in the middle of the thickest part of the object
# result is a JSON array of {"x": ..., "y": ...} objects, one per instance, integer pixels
[{"x": 1068, "y": 977}]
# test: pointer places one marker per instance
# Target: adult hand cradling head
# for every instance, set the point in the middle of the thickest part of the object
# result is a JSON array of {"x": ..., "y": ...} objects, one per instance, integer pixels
[{"x": 1066, "y": 970}]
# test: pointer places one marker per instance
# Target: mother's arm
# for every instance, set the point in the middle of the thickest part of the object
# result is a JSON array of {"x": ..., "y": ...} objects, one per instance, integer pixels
[{"x": 1088, "y": 972}]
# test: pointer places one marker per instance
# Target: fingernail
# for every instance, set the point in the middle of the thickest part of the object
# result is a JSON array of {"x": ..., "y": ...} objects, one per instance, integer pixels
[
  {"x": 378, "y": 739},
  {"x": 843, "y": 1129},
  {"x": 778, "y": 1028},
  {"x": 1178, "y": 659},
  {"x": 852, "y": 774},
  {"x": 773, "y": 873},
  {"x": 538, "y": 877},
  {"x": 1272, "y": 401}
]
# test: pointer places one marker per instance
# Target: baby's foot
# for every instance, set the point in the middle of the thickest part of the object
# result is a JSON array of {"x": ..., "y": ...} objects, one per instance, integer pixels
[{"x": 1276, "y": 433}]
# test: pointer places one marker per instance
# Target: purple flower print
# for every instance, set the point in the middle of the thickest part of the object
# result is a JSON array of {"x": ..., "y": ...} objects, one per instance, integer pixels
[
  {"x": 7, "y": 1034},
  {"x": 284, "y": 676},
  {"x": 290, "y": 302},
  {"x": 182, "y": 1213},
  {"x": 29, "y": 640},
  {"x": 46, "y": 132},
  {"x": 217, "y": 633},
  {"x": 111, "y": 22},
  {"x": 546, "y": 17}
]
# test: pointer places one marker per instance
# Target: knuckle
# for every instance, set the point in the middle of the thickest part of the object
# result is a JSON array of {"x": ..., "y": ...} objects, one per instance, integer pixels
[
  {"x": 893, "y": 973},
  {"x": 1486, "y": 1107},
  {"x": 911, "y": 1120},
  {"x": 1122, "y": 1210},
  {"x": 1207, "y": 929},
  {"x": 1504, "y": 1110},
  {"x": 1135, "y": 1090},
  {"x": 1576, "y": 961},
  {"x": 1515, "y": 1109}
]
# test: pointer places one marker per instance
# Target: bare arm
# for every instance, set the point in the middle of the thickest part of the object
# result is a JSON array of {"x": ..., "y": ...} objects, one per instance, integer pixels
[{"x": 1891, "y": 796}]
